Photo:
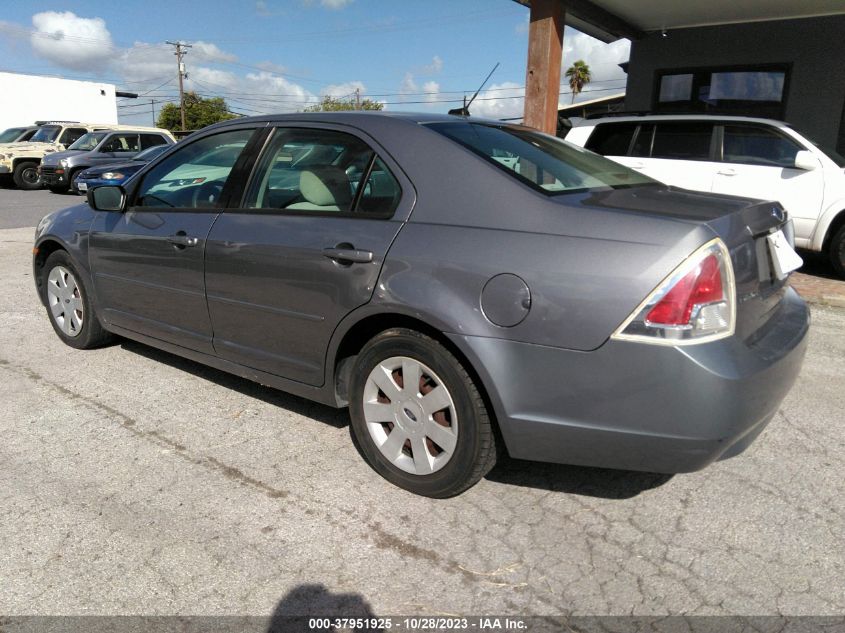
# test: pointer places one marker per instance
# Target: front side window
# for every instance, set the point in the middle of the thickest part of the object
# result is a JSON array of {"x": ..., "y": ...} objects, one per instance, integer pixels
[
  {"x": 89, "y": 141},
  {"x": 756, "y": 145},
  {"x": 544, "y": 163},
  {"x": 194, "y": 176},
  {"x": 306, "y": 169},
  {"x": 682, "y": 140}
]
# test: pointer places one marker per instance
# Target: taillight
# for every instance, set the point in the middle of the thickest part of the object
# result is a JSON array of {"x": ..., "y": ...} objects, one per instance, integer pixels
[{"x": 694, "y": 304}]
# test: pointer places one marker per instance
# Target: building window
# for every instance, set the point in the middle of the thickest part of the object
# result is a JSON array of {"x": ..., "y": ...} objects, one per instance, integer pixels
[{"x": 758, "y": 91}]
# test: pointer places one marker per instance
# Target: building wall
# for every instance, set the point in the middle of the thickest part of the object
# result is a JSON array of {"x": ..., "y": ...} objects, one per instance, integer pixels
[
  {"x": 815, "y": 47},
  {"x": 28, "y": 98}
]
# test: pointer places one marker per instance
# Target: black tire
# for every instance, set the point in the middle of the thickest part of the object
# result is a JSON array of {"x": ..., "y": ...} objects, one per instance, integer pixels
[
  {"x": 836, "y": 251},
  {"x": 90, "y": 333},
  {"x": 474, "y": 452},
  {"x": 72, "y": 180},
  {"x": 26, "y": 175}
]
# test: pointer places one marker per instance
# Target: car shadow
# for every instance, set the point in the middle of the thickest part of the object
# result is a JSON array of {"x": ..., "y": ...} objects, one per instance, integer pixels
[
  {"x": 603, "y": 483},
  {"x": 337, "y": 418},
  {"x": 297, "y": 610},
  {"x": 581, "y": 480}
]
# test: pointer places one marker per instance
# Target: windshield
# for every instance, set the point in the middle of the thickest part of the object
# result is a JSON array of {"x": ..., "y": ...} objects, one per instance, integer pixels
[
  {"x": 542, "y": 162},
  {"x": 46, "y": 134},
  {"x": 11, "y": 134},
  {"x": 89, "y": 141}
]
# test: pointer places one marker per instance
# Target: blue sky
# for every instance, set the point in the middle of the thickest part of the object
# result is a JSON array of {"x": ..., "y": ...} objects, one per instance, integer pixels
[{"x": 281, "y": 55}]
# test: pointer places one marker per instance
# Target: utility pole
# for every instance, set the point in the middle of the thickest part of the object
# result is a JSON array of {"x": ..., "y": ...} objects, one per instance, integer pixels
[
  {"x": 179, "y": 54},
  {"x": 357, "y": 98},
  {"x": 153, "y": 106}
]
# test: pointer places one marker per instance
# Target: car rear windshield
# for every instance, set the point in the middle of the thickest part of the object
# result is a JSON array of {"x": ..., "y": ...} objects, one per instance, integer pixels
[
  {"x": 46, "y": 134},
  {"x": 542, "y": 162}
]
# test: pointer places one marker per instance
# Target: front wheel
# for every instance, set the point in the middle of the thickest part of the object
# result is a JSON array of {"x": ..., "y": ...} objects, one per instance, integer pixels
[
  {"x": 417, "y": 416},
  {"x": 26, "y": 175},
  {"x": 69, "y": 304},
  {"x": 837, "y": 252}
]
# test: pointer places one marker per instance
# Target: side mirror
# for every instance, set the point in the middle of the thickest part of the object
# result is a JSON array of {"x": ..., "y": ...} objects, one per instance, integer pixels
[
  {"x": 806, "y": 161},
  {"x": 107, "y": 198}
]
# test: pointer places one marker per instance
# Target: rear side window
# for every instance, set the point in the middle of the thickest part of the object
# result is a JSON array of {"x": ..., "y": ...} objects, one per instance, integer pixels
[
  {"x": 151, "y": 140},
  {"x": 755, "y": 145},
  {"x": 71, "y": 135},
  {"x": 682, "y": 140},
  {"x": 612, "y": 139}
]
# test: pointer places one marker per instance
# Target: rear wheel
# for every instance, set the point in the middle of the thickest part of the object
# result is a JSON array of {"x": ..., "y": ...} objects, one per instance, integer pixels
[
  {"x": 26, "y": 175},
  {"x": 69, "y": 304},
  {"x": 837, "y": 252},
  {"x": 417, "y": 416}
]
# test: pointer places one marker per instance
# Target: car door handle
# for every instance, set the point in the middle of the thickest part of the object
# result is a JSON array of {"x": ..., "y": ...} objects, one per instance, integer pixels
[
  {"x": 727, "y": 172},
  {"x": 182, "y": 239},
  {"x": 637, "y": 166},
  {"x": 348, "y": 255}
]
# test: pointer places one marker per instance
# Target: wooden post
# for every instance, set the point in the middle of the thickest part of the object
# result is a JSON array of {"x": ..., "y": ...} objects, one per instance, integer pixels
[{"x": 542, "y": 81}]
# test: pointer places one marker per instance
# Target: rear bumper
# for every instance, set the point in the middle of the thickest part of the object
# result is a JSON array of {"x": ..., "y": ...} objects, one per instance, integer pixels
[{"x": 643, "y": 407}]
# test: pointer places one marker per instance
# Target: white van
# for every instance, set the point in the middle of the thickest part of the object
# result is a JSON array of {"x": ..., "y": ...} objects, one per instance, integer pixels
[{"x": 742, "y": 156}]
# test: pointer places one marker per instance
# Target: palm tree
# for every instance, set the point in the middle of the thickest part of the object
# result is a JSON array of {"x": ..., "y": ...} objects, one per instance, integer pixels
[{"x": 579, "y": 76}]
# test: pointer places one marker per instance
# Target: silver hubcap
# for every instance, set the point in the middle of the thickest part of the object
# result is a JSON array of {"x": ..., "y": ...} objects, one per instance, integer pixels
[
  {"x": 410, "y": 415},
  {"x": 64, "y": 298}
]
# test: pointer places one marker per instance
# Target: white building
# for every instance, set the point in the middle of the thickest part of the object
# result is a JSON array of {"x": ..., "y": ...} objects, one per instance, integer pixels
[{"x": 25, "y": 99}]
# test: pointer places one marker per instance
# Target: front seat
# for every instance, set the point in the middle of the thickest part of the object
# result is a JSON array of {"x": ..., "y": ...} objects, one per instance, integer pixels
[{"x": 324, "y": 188}]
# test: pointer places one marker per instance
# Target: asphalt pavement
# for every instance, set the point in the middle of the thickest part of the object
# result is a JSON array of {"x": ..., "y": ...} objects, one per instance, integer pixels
[{"x": 136, "y": 482}]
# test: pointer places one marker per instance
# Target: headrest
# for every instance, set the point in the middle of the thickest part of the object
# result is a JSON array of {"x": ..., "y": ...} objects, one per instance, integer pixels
[{"x": 325, "y": 186}]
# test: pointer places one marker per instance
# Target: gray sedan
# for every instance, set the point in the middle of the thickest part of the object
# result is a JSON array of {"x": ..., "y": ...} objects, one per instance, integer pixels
[{"x": 465, "y": 287}]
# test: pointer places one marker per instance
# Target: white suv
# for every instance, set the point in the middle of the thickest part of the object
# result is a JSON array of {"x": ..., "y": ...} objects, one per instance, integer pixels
[{"x": 742, "y": 156}]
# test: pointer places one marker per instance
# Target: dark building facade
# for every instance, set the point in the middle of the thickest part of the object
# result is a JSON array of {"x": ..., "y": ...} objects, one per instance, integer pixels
[{"x": 793, "y": 70}]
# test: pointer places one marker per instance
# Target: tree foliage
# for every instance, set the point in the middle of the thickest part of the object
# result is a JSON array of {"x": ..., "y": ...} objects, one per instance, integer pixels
[
  {"x": 579, "y": 76},
  {"x": 332, "y": 104},
  {"x": 199, "y": 112}
]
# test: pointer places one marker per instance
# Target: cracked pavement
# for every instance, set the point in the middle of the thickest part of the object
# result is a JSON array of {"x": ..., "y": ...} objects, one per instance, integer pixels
[{"x": 136, "y": 482}]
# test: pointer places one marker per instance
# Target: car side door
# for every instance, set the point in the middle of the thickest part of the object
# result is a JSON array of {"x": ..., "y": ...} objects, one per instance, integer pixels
[
  {"x": 148, "y": 261},
  {"x": 679, "y": 153},
  {"x": 758, "y": 161},
  {"x": 303, "y": 249}
]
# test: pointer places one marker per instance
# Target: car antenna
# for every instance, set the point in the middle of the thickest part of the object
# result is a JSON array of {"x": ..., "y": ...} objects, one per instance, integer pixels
[{"x": 464, "y": 111}]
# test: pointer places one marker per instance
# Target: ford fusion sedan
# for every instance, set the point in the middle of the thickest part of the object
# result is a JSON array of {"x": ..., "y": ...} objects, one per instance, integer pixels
[{"x": 465, "y": 287}]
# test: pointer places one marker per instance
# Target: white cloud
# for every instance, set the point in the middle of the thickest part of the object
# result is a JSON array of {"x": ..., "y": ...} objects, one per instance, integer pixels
[
  {"x": 206, "y": 51},
  {"x": 500, "y": 101},
  {"x": 431, "y": 90},
  {"x": 344, "y": 90},
  {"x": 434, "y": 67},
  {"x": 408, "y": 85},
  {"x": 70, "y": 41},
  {"x": 329, "y": 4},
  {"x": 603, "y": 60}
]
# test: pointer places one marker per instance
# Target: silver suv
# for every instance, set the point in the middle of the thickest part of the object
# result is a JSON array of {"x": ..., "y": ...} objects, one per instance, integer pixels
[{"x": 59, "y": 170}]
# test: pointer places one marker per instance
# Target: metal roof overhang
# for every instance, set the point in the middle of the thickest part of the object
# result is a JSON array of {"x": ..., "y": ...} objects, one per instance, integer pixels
[{"x": 610, "y": 20}]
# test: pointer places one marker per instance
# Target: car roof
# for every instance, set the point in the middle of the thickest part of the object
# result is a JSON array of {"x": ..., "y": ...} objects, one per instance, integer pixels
[
  {"x": 678, "y": 117},
  {"x": 364, "y": 119}
]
